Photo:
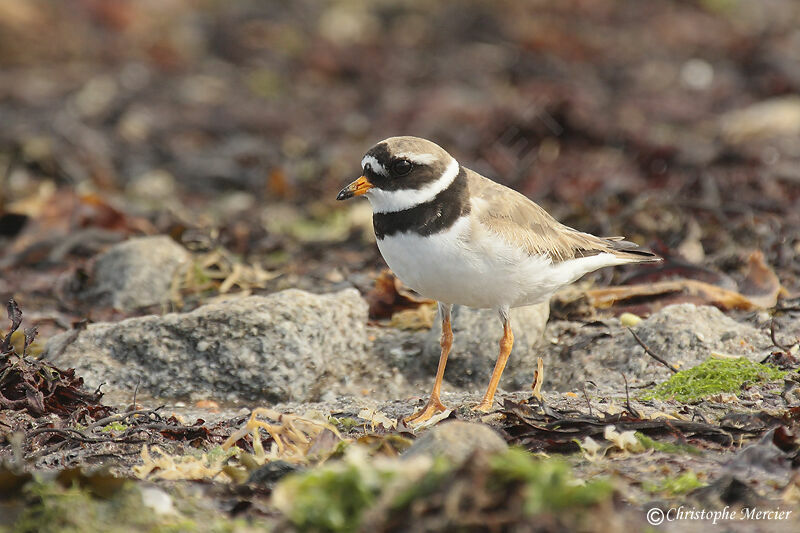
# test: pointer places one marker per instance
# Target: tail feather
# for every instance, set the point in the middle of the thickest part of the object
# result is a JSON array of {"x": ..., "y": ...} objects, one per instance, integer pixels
[{"x": 630, "y": 250}]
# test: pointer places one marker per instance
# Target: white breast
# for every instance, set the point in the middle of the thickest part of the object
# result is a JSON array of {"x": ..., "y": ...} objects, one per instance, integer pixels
[
  {"x": 467, "y": 265},
  {"x": 452, "y": 267}
]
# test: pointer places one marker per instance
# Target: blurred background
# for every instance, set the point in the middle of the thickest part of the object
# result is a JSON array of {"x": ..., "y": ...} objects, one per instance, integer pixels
[{"x": 231, "y": 126}]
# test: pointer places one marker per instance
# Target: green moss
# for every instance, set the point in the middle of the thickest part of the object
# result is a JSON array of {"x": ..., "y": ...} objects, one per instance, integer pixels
[
  {"x": 430, "y": 483},
  {"x": 60, "y": 509},
  {"x": 50, "y": 506},
  {"x": 344, "y": 423},
  {"x": 712, "y": 377},
  {"x": 333, "y": 498},
  {"x": 682, "y": 484},
  {"x": 666, "y": 447},
  {"x": 548, "y": 483},
  {"x": 336, "y": 497},
  {"x": 199, "y": 275},
  {"x": 217, "y": 454},
  {"x": 114, "y": 426}
]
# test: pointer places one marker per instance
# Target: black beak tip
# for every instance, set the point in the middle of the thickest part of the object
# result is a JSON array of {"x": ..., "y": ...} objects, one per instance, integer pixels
[{"x": 342, "y": 195}]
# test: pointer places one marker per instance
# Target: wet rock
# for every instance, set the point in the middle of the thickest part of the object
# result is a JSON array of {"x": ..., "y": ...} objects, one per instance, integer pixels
[
  {"x": 764, "y": 460},
  {"x": 728, "y": 490},
  {"x": 290, "y": 345},
  {"x": 457, "y": 441},
  {"x": 476, "y": 343},
  {"x": 138, "y": 272}
]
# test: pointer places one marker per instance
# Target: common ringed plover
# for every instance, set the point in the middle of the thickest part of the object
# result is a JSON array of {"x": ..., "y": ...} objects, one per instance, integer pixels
[{"x": 460, "y": 238}]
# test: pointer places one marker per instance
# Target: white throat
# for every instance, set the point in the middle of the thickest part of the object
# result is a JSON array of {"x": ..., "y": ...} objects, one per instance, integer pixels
[{"x": 402, "y": 199}]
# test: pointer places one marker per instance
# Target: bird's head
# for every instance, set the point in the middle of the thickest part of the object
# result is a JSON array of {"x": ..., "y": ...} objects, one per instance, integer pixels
[{"x": 401, "y": 172}]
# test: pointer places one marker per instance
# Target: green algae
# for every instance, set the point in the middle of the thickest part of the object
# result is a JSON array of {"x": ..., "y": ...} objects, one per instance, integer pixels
[
  {"x": 666, "y": 447},
  {"x": 56, "y": 507},
  {"x": 114, "y": 426},
  {"x": 682, "y": 484},
  {"x": 345, "y": 423},
  {"x": 548, "y": 484},
  {"x": 336, "y": 497},
  {"x": 713, "y": 376}
]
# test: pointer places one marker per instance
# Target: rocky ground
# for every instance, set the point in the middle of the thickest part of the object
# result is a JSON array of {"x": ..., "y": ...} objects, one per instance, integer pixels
[
  {"x": 314, "y": 357},
  {"x": 220, "y": 349}
]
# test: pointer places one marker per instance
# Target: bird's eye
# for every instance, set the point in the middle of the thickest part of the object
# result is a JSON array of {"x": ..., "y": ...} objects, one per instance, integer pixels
[{"x": 401, "y": 167}]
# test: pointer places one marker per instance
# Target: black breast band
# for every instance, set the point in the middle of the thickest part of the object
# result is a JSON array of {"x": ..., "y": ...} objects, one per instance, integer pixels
[{"x": 430, "y": 217}]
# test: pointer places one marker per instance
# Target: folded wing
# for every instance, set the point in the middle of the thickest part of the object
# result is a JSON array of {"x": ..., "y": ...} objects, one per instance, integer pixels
[{"x": 522, "y": 223}]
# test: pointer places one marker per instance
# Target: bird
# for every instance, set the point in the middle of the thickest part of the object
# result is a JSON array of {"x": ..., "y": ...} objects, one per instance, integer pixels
[{"x": 457, "y": 237}]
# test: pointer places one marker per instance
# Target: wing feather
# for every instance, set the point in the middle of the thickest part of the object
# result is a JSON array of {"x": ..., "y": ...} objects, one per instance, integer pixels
[{"x": 522, "y": 223}]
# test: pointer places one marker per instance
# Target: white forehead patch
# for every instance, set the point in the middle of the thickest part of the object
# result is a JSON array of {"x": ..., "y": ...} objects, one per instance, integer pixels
[
  {"x": 390, "y": 201},
  {"x": 420, "y": 159},
  {"x": 373, "y": 163}
]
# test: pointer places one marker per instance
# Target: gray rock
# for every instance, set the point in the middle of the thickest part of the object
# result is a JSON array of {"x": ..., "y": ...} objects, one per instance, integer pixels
[
  {"x": 290, "y": 345},
  {"x": 684, "y": 335},
  {"x": 457, "y": 441},
  {"x": 573, "y": 352},
  {"x": 401, "y": 349},
  {"x": 476, "y": 343},
  {"x": 138, "y": 272}
]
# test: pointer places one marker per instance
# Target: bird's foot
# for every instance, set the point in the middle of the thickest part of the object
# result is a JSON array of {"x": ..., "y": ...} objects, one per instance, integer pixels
[
  {"x": 433, "y": 407},
  {"x": 485, "y": 406}
]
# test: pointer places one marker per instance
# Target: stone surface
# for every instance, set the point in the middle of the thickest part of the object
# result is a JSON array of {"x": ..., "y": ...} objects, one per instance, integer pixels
[
  {"x": 573, "y": 352},
  {"x": 476, "y": 343},
  {"x": 457, "y": 441},
  {"x": 138, "y": 272},
  {"x": 290, "y": 345},
  {"x": 684, "y": 335}
]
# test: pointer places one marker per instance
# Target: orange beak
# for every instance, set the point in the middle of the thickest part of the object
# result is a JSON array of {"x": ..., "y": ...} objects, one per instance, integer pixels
[{"x": 357, "y": 188}]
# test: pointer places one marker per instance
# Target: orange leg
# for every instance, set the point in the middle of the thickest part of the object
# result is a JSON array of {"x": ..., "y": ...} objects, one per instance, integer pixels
[
  {"x": 505, "y": 350},
  {"x": 435, "y": 405}
]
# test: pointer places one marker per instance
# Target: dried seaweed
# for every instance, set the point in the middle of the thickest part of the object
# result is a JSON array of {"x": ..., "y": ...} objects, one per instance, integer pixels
[
  {"x": 35, "y": 386},
  {"x": 56, "y": 413},
  {"x": 560, "y": 431},
  {"x": 389, "y": 296}
]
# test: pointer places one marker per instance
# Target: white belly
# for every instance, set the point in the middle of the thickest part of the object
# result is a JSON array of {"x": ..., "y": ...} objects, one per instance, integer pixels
[
  {"x": 452, "y": 268},
  {"x": 468, "y": 266}
]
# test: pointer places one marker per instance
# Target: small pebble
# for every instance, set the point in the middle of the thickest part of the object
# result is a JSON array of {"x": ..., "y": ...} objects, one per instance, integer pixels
[
  {"x": 157, "y": 500},
  {"x": 629, "y": 319}
]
